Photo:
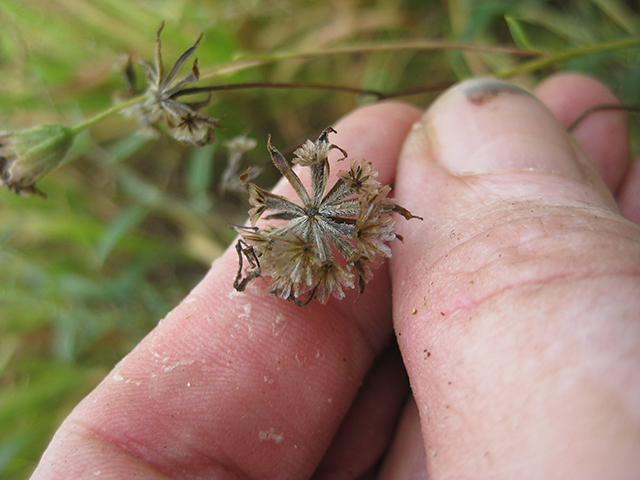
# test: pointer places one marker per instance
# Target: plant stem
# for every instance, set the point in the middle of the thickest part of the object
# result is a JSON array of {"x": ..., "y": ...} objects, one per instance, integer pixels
[
  {"x": 527, "y": 67},
  {"x": 245, "y": 62},
  {"x": 600, "y": 108},
  {"x": 436, "y": 87},
  {"x": 107, "y": 113},
  {"x": 539, "y": 63},
  {"x": 277, "y": 85}
]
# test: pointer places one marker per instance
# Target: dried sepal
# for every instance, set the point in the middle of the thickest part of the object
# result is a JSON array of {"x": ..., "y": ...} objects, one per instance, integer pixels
[
  {"x": 252, "y": 271},
  {"x": 261, "y": 200},
  {"x": 285, "y": 169},
  {"x": 404, "y": 212},
  {"x": 330, "y": 240}
]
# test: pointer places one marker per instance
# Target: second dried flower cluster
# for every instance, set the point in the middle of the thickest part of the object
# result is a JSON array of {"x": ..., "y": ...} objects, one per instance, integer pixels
[
  {"x": 330, "y": 240},
  {"x": 184, "y": 120}
]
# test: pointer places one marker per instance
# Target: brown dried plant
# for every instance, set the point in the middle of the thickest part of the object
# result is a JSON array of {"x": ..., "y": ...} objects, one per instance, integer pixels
[
  {"x": 330, "y": 240},
  {"x": 184, "y": 121}
]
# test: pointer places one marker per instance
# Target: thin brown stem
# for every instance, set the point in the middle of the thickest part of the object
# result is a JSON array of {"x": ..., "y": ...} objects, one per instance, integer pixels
[
  {"x": 437, "y": 87},
  {"x": 276, "y": 85},
  {"x": 598, "y": 108}
]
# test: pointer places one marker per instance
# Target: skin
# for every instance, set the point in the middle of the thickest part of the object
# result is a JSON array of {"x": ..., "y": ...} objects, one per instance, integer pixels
[{"x": 516, "y": 308}]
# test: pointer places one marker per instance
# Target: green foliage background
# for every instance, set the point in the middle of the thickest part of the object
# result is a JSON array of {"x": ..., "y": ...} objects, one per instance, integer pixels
[{"x": 132, "y": 223}]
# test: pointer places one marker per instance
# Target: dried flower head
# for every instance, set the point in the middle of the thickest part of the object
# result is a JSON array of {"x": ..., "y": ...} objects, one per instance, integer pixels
[
  {"x": 330, "y": 239},
  {"x": 184, "y": 121},
  {"x": 28, "y": 155}
]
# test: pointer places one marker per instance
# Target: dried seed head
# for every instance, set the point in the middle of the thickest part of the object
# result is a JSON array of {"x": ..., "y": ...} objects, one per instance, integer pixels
[
  {"x": 185, "y": 123},
  {"x": 330, "y": 239}
]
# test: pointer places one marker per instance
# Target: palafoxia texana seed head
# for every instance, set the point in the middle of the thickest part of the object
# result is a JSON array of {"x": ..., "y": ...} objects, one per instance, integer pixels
[
  {"x": 330, "y": 239},
  {"x": 184, "y": 121}
]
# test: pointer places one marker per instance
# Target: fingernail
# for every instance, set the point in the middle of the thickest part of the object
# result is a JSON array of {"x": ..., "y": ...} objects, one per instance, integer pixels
[{"x": 486, "y": 125}]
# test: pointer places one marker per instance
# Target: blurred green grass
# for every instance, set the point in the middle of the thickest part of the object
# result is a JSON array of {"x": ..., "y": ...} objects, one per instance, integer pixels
[{"x": 132, "y": 223}]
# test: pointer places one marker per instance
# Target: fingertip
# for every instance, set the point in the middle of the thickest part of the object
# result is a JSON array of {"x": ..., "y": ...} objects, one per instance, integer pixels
[
  {"x": 570, "y": 94},
  {"x": 486, "y": 126},
  {"x": 486, "y": 153},
  {"x": 603, "y": 134}
]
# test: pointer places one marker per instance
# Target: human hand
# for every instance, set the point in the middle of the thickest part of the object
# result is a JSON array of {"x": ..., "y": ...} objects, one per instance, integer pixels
[
  {"x": 516, "y": 305},
  {"x": 524, "y": 353}
]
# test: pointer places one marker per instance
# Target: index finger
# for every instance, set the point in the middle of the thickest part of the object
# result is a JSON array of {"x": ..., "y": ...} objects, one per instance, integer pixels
[{"x": 238, "y": 384}]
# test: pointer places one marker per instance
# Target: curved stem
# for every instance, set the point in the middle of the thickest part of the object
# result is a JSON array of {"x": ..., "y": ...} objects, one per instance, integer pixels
[
  {"x": 107, "y": 113},
  {"x": 600, "y": 108}
]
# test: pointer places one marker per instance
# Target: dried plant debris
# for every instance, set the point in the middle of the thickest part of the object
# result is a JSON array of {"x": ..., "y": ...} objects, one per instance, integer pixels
[
  {"x": 330, "y": 240},
  {"x": 184, "y": 121},
  {"x": 236, "y": 148}
]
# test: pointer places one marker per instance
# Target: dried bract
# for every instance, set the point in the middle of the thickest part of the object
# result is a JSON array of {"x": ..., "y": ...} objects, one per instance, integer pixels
[
  {"x": 329, "y": 240},
  {"x": 184, "y": 121},
  {"x": 28, "y": 155}
]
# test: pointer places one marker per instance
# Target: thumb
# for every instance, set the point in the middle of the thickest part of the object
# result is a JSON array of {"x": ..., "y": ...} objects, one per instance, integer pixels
[{"x": 504, "y": 295}]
